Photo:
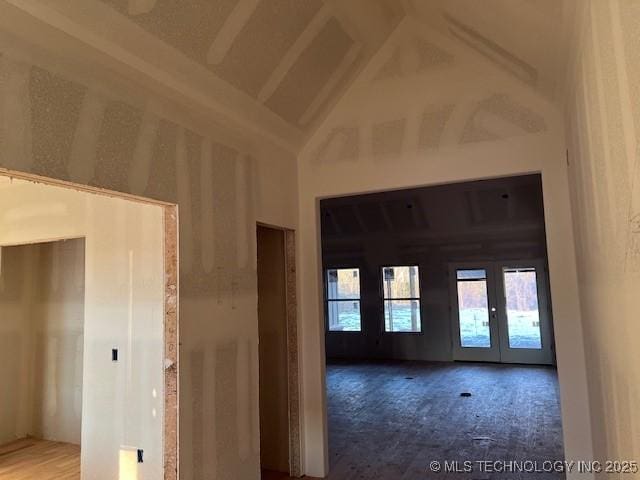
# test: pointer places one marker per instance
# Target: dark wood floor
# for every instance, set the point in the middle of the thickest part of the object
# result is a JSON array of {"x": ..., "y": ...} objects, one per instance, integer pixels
[{"x": 389, "y": 421}]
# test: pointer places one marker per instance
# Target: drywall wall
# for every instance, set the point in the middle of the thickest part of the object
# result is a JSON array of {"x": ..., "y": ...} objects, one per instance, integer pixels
[
  {"x": 123, "y": 401},
  {"x": 272, "y": 336},
  {"x": 67, "y": 112},
  {"x": 16, "y": 294},
  {"x": 42, "y": 313},
  {"x": 478, "y": 225},
  {"x": 426, "y": 111},
  {"x": 603, "y": 129},
  {"x": 58, "y": 343}
]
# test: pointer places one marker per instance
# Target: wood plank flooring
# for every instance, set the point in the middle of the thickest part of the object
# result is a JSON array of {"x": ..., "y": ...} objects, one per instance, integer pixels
[
  {"x": 388, "y": 421},
  {"x": 32, "y": 459}
]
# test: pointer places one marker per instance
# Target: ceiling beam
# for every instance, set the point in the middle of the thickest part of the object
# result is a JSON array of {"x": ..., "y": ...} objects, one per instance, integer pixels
[
  {"x": 138, "y": 7},
  {"x": 347, "y": 62},
  {"x": 232, "y": 26},
  {"x": 306, "y": 37}
]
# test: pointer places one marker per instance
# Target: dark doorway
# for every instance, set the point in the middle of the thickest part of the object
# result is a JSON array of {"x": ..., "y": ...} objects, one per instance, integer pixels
[{"x": 272, "y": 336}]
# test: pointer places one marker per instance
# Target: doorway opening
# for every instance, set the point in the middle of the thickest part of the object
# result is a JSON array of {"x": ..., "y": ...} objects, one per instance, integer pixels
[
  {"x": 278, "y": 354},
  {"x": 438, "y": 327},
  {"x": 89, "y": 323},
  {"x": 41, "y": 356}
]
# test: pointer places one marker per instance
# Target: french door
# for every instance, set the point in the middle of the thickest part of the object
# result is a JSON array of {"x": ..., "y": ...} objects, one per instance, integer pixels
[{"x": 500, "y": 312}]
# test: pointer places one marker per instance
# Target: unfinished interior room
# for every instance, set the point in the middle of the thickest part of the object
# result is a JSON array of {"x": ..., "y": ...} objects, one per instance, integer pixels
[{"x": 343, "y": 239}]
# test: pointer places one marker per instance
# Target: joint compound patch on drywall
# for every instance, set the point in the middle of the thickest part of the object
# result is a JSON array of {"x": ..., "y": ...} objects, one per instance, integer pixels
[
  {"x": 250, "y": 72},
  {"x": 82, "y": 159},
  {"x": 434, "y": 121},
  {"x": 341, "y": 145},
  {"x": 162, "y": 178},
  {"x": 143, "y": 153},
  {"x": 311, "y": 72},
  {"x": 498, "y": 116},
  {"x": 116, "y": 145},
  {"x": 15, "y": 114},
  {"x": 55, "y": 110},
  {"x": 387, "y": 138},
  {"x": 191, "y": 26},
  {"x": 413, "y": 57},
  {"x": 226, "y": 391}
]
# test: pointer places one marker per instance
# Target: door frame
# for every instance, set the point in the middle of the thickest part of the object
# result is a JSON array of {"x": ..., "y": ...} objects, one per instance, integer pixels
[
  {"x": 473, "y": 354},
  {"x": 500, "y": 352},
  {"x": 544, "y": 355},
  {"x": 293, "y": 368},
  {"x": 170, "y": 366}
]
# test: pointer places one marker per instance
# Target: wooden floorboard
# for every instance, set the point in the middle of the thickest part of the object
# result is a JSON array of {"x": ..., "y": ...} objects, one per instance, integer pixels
[
  {"x": 390, "y": 420},
  {"x": 31, "y": 459}
]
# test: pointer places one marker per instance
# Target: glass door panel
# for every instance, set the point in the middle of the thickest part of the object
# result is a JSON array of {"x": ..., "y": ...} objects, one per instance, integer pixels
[
  {"x": 524, "y": 318},
  {"x": 473, "y": 312},
  {"x": 521, "y": 302},
  {"x": 473, "y": 308}
]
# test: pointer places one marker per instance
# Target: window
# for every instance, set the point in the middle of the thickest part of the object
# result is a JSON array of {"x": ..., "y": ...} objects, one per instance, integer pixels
[
  {"x": 401, "y": 294},
  {"x": 343, "y": 299}
]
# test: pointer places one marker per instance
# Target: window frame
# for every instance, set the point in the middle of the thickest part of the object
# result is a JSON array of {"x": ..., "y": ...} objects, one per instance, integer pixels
[
  {"x": 383, "y": 299},
  {"x": 325, "y": 288}
]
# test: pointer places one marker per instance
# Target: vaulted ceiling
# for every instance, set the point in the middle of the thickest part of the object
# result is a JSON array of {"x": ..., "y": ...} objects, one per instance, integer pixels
[
  {"x": 292, "y": 57},
  {"x": 527, "y": 38},
  {"x": 277, "y": 67}
]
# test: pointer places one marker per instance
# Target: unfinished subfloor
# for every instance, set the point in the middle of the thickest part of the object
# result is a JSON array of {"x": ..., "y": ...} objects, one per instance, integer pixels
[
  {"x": 39, "y": 459},
  {"x": 390, "y": 420}
]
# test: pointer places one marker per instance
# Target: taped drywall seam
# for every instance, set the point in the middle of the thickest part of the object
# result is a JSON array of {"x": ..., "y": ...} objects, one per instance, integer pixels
[
  {"x": 85, "y": 140},
  {"x": 206, "y": 189}
]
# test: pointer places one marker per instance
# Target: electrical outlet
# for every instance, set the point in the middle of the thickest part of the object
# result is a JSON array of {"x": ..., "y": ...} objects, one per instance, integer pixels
[
  {"x": 140, "y": 455},
  {"x": 114, "y": 354}
]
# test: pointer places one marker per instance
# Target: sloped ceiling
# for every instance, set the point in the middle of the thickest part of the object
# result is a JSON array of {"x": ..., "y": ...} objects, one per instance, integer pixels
[
  {"x": 277, "y": 67},
  {"x": 527, "y": 38},
  {"x": 290, "y": 56}
]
